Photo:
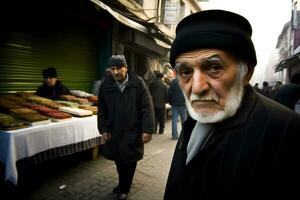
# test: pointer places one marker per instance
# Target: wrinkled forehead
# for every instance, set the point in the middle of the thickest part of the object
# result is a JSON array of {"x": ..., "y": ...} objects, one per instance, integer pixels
[{"x": 197, "y": 56}]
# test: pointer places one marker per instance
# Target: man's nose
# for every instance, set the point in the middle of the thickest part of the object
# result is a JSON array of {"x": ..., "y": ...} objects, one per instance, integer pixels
[
  {"x": 200, "y": 83},
  {"x": 115, "y": 71}
]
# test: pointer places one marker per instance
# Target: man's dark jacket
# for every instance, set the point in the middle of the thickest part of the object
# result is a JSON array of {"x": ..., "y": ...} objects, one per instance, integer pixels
[
  {"x": 159, "y": 92},
  {"x": 53, "y": 92},
  {"x": 252, "y": 155},
  {"x": 175, "y": 95},
  {"x": 288, "y": 95},
  {"x": 126, "y": 116}
]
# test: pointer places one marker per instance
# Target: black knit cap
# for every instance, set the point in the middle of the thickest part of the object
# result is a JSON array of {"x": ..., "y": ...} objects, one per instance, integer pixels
[
  {"x": 215, "y": 29},
  {"x": 117, "y": 61},
  {"x": 50, "y": 72}
]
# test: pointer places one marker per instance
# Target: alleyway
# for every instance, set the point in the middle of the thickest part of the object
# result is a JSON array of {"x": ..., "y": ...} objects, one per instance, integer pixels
[{"x": 94, "y": 180}]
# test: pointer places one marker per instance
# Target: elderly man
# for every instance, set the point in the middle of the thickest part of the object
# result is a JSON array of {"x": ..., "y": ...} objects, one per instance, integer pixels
[
  {"x": 236, "y": 144},
  {"x": 125, "y": 120}
]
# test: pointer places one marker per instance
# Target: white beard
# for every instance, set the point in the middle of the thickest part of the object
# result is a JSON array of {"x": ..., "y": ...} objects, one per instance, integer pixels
[{"x": 231, "y": 106}]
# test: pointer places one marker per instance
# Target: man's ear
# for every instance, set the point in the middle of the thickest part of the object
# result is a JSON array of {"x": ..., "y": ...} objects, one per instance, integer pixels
[{"x": 248, "y": 76}]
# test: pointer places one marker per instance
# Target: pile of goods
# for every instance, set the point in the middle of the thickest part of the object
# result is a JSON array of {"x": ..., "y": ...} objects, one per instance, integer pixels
[
  {"x": 75, "y": 99},
  {"x": 93, "y": 99},
  {"x": 68, "y": 103},
  {"x": 80, "y": 93},
  {"x": 76, "y": 111},
  {"x": 25, "y": 109},
  {"x": 54, "y": 114},
  {"x": 79, "y": 103},
  {"x": 17, "y": 99},
  {"x": 42, "y": 101},
  {"x": 94, "y": 109},
  {"x": 6, "y": 104},
  {"x": 18, "y": 111},
  {"x": 8, "y": 122},
  {"x": 30, "y": 116}
]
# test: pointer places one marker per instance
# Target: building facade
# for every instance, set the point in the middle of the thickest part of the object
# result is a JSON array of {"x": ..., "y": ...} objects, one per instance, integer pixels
[
  {"x": 78, "y": 37},
  {"x": 288, "y": 45}
]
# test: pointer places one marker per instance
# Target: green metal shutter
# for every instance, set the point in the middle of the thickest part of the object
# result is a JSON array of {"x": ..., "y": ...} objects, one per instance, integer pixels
[{"x": 72, "y": 49}]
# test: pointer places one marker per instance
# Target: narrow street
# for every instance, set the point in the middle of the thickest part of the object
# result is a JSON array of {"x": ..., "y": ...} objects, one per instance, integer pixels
[{"x": 81, "y": 178}]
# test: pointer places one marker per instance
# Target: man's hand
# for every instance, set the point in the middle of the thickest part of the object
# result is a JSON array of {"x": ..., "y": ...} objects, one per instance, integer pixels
[
  {"x": 106, "y": 137},
  {"x": 146, "y": 137}
]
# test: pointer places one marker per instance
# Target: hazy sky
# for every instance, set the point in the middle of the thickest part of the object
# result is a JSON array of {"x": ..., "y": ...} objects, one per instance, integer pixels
[{"x": 267, "y": 18}]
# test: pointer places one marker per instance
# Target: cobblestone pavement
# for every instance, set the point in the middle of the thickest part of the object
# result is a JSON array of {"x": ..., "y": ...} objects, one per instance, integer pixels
[{"x": 83, "y": 179}]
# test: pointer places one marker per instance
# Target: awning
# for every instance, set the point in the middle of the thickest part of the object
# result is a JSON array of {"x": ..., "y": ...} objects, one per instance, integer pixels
[
  {"x": 291, "y": 61},
  {"x": 130, "y": 23},
  {"x": 121, "y": 18},
  {"x": 161, "y": 43}
]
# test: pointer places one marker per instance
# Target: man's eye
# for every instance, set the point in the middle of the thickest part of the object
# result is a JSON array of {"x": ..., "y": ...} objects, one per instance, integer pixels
[
  {"x": 185, "y": 73},
  {"x": 214, "y": 69}
]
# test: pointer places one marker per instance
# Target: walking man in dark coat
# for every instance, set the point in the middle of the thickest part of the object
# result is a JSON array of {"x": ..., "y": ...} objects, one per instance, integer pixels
[
  {"x": 236, "y": 144},
  {"x": 159, "y": 92},
  {"x": 176, "y": 100},
  {"x": 289, "y": 93},
  {"x": 125, "y": 120}
]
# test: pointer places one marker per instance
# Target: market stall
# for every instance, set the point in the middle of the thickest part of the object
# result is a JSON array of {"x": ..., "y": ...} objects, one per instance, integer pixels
[{"x": 46, "y": 142}]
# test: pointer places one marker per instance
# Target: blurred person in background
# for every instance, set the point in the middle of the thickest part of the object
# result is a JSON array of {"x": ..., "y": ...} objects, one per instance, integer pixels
[
  {"x": 97, "y": 83},
  {"x": 256, "y": 87},
  {"x": 52, "y": 88},
  {"x": 159, "y": 92},
  {"x": 176, "y": 100},
  {"x": 266, "y": 89},
  {"x": 289, "y": 94}
]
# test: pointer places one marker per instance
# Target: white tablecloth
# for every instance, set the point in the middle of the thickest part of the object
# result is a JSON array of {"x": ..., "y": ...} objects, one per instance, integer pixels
[{"x": 23, "y": 143}]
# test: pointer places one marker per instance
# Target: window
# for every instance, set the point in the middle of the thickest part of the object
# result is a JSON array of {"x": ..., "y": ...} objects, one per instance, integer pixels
[{"x": 172, "y": 12}]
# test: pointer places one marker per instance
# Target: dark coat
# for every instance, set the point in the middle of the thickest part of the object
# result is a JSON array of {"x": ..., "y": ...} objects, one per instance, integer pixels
[
  {"x": 53, "y": 92},
  {"x": 252, "y": 155},
  {"x": 175, "y": 95},
  {"x": 126, "y": 116},
  {"x": 159, "y": 92},
  {"x": 288, "y": 95}
]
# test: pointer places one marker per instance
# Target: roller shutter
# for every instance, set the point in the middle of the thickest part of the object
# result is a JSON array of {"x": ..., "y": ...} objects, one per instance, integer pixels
[
  {"x": 72, "y": 50},
  {"x": 65, "y": 34}
]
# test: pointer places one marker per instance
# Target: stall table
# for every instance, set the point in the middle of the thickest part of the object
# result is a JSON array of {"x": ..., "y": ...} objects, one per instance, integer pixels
[{"x": 46, "y": 142}]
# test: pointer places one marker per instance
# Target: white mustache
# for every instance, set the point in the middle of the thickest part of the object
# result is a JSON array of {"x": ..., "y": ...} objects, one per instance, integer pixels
[{"x": 210, "y": 97}]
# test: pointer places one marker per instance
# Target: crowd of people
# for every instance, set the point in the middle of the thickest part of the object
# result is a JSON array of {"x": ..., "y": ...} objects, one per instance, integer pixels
[
  {"x": 287, "y": 94},
  {"x": 236, "y": 141}
]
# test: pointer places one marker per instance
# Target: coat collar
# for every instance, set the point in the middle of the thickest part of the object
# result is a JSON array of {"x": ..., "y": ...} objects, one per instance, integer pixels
[{"x": 110, "y": 84}]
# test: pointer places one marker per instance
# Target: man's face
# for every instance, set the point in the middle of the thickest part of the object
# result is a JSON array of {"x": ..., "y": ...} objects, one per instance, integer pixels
[
  {"x": 118, "y": 73},
  {"x": 50, "y": 81},
  {"x": 211, "y": 83}
]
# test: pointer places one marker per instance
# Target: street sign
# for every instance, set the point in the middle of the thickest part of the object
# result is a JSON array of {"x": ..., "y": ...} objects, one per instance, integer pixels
[{"x": 171, "y": 12}]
